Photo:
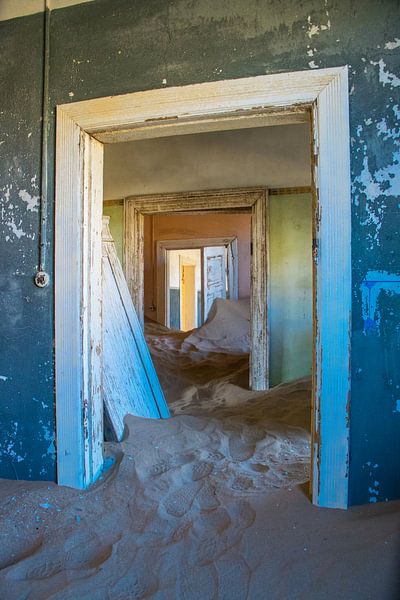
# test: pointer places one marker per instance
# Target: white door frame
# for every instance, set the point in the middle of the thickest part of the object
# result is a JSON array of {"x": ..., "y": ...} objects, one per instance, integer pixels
[
  {"x": 319, "y": 94},
  {"x": 253, "y": 200},
  {"x": 162, "y": 246}
]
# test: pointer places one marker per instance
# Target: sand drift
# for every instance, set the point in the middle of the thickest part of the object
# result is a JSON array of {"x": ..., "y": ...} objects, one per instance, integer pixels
[{"x": 168, "y": 518}]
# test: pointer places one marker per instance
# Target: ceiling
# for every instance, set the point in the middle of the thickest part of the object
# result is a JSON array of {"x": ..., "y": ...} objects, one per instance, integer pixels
[
  {"x": 10, "y": 9},
  {"x": 275, "y": 157}
]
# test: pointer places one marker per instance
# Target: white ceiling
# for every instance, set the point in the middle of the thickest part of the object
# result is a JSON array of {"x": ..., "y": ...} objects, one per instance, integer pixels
[{"x": 276, "y": 156}]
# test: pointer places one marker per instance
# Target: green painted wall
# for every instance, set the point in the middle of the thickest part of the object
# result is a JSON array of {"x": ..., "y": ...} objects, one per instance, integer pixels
[{"x": 290, "y": 312}]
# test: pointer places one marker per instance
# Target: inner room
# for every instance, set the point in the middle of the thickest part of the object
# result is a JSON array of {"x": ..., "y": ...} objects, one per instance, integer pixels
[{"x": 197, "y": 285}]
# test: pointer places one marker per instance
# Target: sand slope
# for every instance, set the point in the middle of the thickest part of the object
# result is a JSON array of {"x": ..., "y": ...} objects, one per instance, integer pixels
[
  {"x": 227, "y": 328},
  {"x": 203, "y": 506}
]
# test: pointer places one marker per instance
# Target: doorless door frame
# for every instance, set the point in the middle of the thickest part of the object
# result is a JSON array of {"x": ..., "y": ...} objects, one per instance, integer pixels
[
  {"x": 162, "y": 246},
  {"x": 253, "y": 200},
  {"x": 320, "y": 95}
]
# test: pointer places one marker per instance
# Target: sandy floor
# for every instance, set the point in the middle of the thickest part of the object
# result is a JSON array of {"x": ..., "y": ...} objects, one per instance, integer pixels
[{"x": 209, "y": 505}]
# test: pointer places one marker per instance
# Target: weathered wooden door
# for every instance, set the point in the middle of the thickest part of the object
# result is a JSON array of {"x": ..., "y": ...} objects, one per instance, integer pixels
[
  {"x": 130, "y": 382},
  {"x": 214, "y": 276}
]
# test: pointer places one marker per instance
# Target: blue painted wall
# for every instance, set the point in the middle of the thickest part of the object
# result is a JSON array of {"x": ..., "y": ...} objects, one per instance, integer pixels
[
  {"x": 26, "y": 322},
  {"x": 108, "y": 47}
]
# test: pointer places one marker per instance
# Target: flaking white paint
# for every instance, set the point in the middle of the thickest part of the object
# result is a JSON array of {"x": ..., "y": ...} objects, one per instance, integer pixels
[
  {"x": 393, "y": 45},
  {"x": 15, "y": 229},
  {"x": 32, "y": 202},
  {"x": 385, "y": 76},
  {"x": 371, "y": 287}
]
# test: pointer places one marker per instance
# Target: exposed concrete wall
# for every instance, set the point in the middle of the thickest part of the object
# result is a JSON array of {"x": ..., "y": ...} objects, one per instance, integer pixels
[{"x": 103, "y": 48}]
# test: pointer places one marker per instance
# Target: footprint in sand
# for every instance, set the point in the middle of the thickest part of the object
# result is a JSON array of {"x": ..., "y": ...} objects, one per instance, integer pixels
[
  {"x": 130, "y": 587},
  {"x": 159, "y": 468},
  {"x": 242, "y": 514},
  {"x": 215, "y": 521},
  {"x": 178, "y": 503},
  {"x": 201, "y": 470},
  {"x": 197, "y": 583},
  {"x": 259, "y": 468},
  {"x": 35, "y": 567},
  {"x": 240, "y": 449},
  {"x": 206, "y": 549},
  {"x": 181, "y": 531},
  {"x": 215, "y": 455},
  {"x": 207, "y": 498},
  {"x": 141, "y": 513},
  {"x": 233, "y": 577},
  {"x": 86, "y": 550},
  {"x": 242, "y": 484}
]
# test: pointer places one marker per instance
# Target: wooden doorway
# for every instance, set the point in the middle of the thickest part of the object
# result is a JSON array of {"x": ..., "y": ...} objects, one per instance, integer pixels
[
  {"x": 252, "y": 200},
  {"x": 229, "y": 243},
  {"x": 317, "y": 96}
]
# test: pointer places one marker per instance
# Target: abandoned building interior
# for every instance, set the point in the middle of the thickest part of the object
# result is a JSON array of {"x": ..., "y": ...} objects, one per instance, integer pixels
[
  {"x": 278, "y": 159},
  {"x": 199, "y": 367}
]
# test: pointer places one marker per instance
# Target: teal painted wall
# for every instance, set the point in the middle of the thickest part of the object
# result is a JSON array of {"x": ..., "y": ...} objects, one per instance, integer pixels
[
  {"x": 26, "y": 325},
  {"x": 107, "y": 47}
]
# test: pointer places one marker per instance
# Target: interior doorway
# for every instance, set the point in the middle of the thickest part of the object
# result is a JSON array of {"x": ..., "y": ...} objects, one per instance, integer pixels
[
  {"x": 215, "y": 262},
  {"x": 82, "y": 129},
  {"x": 251, "y": 201}
]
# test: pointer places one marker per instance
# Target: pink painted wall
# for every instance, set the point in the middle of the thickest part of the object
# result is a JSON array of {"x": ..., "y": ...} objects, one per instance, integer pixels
[{"x": 177, "y": 227}]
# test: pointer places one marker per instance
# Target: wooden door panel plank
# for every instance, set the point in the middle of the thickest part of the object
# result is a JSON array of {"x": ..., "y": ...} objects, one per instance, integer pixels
[{"x": 131, "y": 385}]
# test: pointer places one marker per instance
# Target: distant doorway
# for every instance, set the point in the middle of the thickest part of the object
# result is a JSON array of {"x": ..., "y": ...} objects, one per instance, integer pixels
[
  {"x": 253, "y": 201},
  {"x": 191, "y": 274}
]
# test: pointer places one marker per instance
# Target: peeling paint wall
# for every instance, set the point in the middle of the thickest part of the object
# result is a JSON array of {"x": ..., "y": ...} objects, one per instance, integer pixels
[
  {"x": 106, "y": 47},
  {"x": 26, "y": 325}
]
